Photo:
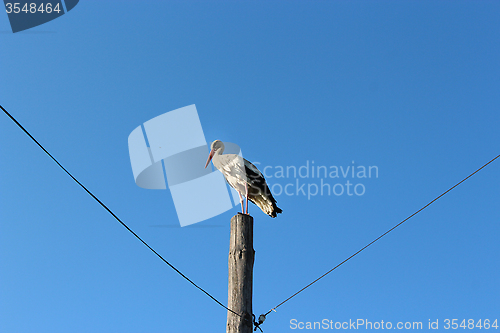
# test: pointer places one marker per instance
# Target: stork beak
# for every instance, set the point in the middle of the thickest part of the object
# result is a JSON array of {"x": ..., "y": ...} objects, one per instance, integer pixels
[{"x": 210, "y": 157}]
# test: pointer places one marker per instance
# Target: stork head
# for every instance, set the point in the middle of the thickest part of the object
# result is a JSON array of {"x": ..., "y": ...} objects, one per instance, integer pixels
[{"x": 216, "y": 147}]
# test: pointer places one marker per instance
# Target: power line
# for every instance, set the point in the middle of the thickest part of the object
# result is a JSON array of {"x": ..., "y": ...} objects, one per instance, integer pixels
[
  {"x": 376, "y": 239},
  {"x": 113, "y": 214},
  {"x": 194, "y": 284}
]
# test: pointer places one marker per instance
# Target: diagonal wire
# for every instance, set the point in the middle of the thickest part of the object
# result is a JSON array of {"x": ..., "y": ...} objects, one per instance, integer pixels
[
  {"x": 113, "y": 214},
  {"x": 385, "y": 233}
]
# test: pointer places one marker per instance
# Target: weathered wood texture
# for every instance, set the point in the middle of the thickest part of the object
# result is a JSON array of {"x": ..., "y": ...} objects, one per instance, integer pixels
[{"x": 241, "y": 257}]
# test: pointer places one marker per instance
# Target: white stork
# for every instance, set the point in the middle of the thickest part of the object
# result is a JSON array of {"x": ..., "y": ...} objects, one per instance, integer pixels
[{"x": 245, "y": 178}]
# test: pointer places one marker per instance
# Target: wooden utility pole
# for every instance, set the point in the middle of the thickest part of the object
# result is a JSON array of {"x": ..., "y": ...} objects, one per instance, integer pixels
[{"x": 241, "y": 257}]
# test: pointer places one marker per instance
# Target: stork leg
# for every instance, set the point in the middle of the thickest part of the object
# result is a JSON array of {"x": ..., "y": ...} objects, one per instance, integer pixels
[
  {"x": 241, "y": 202},
  {"x": 246, "y": 196}
]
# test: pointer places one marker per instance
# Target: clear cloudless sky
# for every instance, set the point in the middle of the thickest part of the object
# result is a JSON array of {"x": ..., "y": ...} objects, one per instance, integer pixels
[{"x": 411, "y": 87}]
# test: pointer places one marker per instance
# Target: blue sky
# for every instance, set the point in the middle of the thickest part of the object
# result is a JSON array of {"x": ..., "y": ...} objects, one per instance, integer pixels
[{"x": 410, "y": 87}]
